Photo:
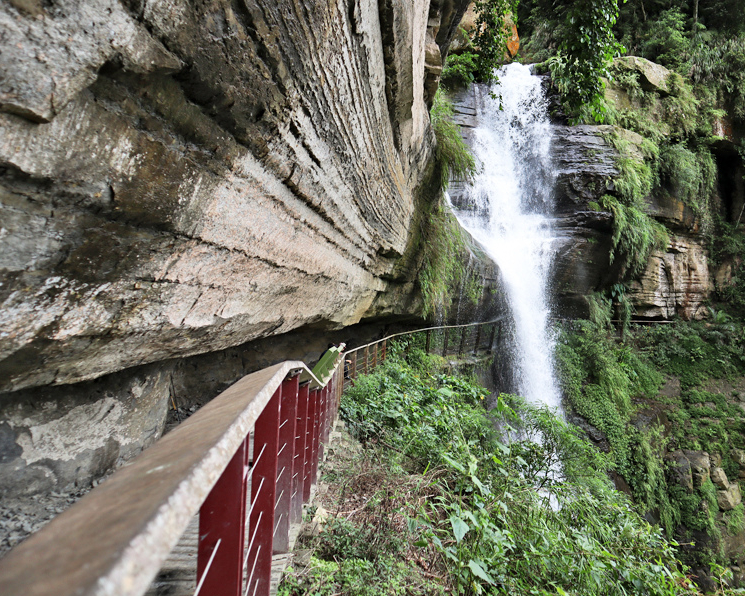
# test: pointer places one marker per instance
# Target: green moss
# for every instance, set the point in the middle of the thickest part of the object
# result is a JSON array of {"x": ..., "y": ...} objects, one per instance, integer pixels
[
  {"x": 445, "y": 271},
  {"x": 735, "y": 520}
]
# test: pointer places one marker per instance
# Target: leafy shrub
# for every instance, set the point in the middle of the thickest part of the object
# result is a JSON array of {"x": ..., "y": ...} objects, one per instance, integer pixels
[
  {"x": 490, "y": 523},
  {"x": 720, "y": 63},
  {"x": 665, "y": 41},
  {"x": 459, "y": 71}
]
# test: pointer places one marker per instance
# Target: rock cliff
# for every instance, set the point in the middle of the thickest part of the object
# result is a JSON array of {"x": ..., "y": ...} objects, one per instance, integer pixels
[
  {"x": 676, "y": 280},
  {"x": 180, "y": 179}
]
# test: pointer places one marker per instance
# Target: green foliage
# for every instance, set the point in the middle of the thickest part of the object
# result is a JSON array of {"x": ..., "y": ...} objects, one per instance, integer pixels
[
  {"x": 635, "y": 235},
  {"x": 719, "y": 62},
  {"x": 586, "y": 49},
  {"x": 491, "y": 35},
  {"x": 691, "y": 176},
  {"x": 459, "y": 71},
  {"x": 735, "y": 519},
  {"x": 665, "y": 41},
  {"x": 488, "y": 520},
  {"x": 694, "y": 351},
  {"x": 452, "y": 155},
  {"x": 344, "y": 576},
  {"x": 445, "y": 268},
  {"x": 599, "y": 378}
]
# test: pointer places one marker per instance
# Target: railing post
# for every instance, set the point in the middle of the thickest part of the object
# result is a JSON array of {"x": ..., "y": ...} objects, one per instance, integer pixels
[
  {"x": 325, "y": 415},
  {"x": 285, "y": 464},
  {"x": 376, "y": 347},
  {"x": 429, "y": 341},
  {"x": 263, "y": 498},
  {"x": 462, "y": 345},
  {"x": 222, "y": 526},
  {"x": 444, "y": 342},
  {"x": 353, "y": 366},
  {"x": 385, "y": 347},
  {"x": 478, "y": 339},
  {"x": 367, "y": 359},
  {"x": 298, "y": 468},
  {"x": 317, "y": 448},
  {"x": 310, "y": 448}
]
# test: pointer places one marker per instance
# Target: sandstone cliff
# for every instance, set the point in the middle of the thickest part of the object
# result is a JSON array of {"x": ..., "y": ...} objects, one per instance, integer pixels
[{"x": 180, "y": 179}]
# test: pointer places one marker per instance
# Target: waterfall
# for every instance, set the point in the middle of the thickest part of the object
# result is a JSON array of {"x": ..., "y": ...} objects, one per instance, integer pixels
[{"x": 508, "y": 210}]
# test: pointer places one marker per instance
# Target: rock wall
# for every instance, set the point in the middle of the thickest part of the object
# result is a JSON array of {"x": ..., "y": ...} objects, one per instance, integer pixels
[
  {"x": 183, "y": 178},
  {"x": 676, "y": 280}
]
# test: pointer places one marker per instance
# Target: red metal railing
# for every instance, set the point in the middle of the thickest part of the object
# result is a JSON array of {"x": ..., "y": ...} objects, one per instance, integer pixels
[
  {"x": 265, "y": 434},
  {"x": 246, "y": 462},
  {"x": 445, "y": 340}
]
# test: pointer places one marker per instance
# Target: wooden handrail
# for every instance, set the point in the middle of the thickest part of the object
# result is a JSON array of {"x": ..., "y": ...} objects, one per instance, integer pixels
[{"x": 114, "y": 540}]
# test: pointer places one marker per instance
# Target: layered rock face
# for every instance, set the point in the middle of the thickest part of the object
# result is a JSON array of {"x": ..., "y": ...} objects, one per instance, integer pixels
[
  {"x": 181, "y": 178},
  {"x": 676, "y": 280}
]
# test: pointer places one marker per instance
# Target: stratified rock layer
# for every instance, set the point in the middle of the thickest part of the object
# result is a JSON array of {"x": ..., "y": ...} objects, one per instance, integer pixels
[{"x": 179, "y": 178}]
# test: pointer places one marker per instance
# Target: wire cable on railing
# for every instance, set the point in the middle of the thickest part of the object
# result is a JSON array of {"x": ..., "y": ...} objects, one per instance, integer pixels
[
  {"x": 279, "y": 521},
  {"x": 256, "y": 461},
  {"x": 377, "y": 341},
  {"x": 258, "y": 492},
  {"x": 207, "y": 568},
  {"x": 251, "y": 543},
  {"x": 250, "y": 577}
]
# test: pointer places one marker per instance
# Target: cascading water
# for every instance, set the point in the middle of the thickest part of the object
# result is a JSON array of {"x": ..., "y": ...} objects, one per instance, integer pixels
[{"x": 509, "y": 213}]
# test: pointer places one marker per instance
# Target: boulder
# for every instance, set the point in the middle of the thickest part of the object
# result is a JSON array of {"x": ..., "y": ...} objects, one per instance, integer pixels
[
  {"x": 730, "y": 498},
  {"x": 700, "y": 466},
  {"x": 681, "y": 469},
  {"x": 719, "y": 478},
  {"x": 652, "y": 77}
]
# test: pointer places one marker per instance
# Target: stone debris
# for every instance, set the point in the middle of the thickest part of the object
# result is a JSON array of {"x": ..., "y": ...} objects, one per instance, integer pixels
[
  {"x": 22, "y": 516},
  {"x": 730, "y": 498},
  {"x": 719, "y": 478}
]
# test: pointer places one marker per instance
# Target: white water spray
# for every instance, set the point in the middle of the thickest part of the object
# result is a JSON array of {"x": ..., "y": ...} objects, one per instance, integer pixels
[{"x": 512, "y": 217}]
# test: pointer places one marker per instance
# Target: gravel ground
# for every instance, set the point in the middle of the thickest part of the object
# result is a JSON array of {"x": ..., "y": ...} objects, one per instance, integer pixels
[{"x": 22, "y": 516}]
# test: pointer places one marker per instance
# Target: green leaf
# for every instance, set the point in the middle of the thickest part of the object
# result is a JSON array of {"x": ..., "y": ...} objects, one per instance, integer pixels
[
  {"x": 457, "y": 465},
  {"x": 460, "y": 527},
  {"x": 479, "y": 571},
  {"x": 421, "y": 543}
]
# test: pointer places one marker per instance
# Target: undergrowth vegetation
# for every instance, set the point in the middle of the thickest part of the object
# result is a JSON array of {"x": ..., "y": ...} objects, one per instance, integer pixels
[
  {"x": 510, "y": 500},
  {"x": 617, "y": 387}
]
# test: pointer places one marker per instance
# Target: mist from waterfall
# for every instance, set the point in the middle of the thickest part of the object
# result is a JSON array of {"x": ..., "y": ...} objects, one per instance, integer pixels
[{"x": 508, "y": 211}]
